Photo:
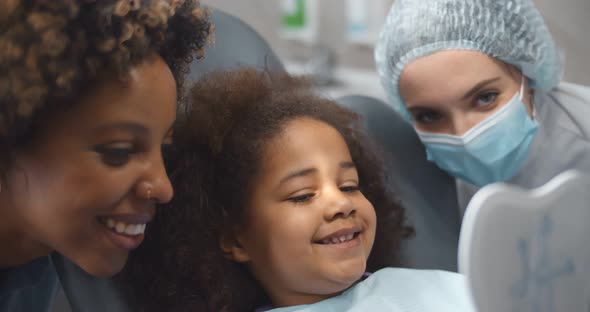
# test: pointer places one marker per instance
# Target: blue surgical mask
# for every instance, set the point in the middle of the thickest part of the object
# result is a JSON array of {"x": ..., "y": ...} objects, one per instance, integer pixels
[{"x": 494, "y": 150}]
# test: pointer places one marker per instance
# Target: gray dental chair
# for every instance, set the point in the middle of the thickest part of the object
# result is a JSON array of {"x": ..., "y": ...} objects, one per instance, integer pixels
[
  {"x": 236, "y": 44},
  {"x": 427, "y": 193}
]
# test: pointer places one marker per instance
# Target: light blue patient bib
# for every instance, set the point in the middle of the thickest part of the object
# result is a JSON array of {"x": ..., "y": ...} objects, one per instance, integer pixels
[{"x": 399, "y": 290}]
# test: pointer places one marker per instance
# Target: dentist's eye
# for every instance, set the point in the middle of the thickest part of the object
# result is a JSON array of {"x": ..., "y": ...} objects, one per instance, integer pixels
[
  {"x": 427, "y": 118},
  {"x": 301, "y": 198},
  {"x": 486, "y": 99}
]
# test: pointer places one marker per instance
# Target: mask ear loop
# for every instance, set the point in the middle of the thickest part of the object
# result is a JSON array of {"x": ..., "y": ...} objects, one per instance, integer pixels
[
  {"x": 533, "y": 110},
  {"x": 522, "y": 87}
]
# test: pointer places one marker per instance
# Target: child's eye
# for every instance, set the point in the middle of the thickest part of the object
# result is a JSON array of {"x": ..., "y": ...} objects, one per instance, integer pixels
[
  {"x": 486, "y": 99},
  {"x": 350, "y": 189},
  {"x": 301, "y": 198}
]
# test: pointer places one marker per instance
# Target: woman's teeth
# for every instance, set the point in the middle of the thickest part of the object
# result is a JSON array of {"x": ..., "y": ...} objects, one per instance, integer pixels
[
  {"x": 338, "y": 240},
  {"x": 125, "y": 228}
]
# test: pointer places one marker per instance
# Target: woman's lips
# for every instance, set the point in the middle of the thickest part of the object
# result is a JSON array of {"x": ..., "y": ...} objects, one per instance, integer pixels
[{"x": 126, "y": 231}]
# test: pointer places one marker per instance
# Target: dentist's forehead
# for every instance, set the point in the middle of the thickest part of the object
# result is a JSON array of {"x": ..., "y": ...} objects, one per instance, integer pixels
[{"x": 446, "y": 75}]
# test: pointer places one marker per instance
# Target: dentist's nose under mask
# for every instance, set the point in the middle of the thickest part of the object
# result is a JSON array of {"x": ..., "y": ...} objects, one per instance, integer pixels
[{"x": 492, "y": 151}]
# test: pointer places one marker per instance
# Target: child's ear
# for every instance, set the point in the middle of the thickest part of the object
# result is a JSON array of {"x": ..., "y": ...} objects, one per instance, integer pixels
[{"x": 232, "y": 247}]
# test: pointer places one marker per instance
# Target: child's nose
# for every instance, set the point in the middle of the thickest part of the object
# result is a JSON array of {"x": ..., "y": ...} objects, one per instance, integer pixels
[{"x": 339, "y": 205}]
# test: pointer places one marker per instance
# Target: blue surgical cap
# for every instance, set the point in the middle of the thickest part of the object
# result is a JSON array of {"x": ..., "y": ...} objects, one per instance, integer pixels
[{"x": 512, "y": 31}]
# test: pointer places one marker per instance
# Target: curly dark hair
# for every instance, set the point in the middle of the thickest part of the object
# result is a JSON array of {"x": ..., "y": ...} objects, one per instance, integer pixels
[
  {"x": 52, "y": 51},
  {"x": 219, "y": 139}
]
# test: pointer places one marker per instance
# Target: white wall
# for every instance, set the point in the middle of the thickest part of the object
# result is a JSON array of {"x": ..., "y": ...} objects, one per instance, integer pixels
[{"x": 568, "y": 20}]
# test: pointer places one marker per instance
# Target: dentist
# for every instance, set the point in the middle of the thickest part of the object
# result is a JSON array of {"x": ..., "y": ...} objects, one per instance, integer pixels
[{"x": 480, "y": 81}]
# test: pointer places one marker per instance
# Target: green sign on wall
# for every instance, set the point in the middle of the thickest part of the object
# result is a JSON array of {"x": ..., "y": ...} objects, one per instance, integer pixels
[{"x": 293, "y": 15}]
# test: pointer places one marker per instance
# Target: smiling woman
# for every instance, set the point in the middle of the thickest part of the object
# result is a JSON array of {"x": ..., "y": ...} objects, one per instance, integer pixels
[
  {"x": 88, "y": 94},
  {"x": 94, "y": 162}
]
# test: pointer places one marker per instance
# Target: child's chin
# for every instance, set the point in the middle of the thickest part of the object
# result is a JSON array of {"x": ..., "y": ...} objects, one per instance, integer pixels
[
  {"x": 350, "y": 274},
  {"x": 341, "y": 286}
]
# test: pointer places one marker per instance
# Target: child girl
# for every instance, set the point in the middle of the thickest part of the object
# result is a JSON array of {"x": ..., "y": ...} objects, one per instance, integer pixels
[{"x": 295, "y": 210}]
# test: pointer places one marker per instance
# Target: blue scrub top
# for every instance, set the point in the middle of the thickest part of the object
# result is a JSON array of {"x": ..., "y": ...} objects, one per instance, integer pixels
[{"x": 28, "y": 288}]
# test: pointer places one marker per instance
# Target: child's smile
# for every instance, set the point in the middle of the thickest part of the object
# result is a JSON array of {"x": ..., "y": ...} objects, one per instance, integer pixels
[
  {"x": 348, "y": 235},
  {"x": 308, "y": 227}
]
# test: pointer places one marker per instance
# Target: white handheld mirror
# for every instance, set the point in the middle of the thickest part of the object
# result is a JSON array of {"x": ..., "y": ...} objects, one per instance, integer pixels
[{"x": 529, "y": 250}]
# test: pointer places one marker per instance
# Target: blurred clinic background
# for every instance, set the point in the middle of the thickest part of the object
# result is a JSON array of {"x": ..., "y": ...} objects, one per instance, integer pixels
[{"x": 333, "y": 40}]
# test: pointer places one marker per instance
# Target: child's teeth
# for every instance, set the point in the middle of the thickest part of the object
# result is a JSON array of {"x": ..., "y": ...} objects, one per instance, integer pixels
[{"x": 349, "y": 236}]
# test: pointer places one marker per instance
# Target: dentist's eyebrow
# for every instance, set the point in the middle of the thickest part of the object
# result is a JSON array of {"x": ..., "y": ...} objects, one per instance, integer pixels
[{"x": 478, "y": 87}]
